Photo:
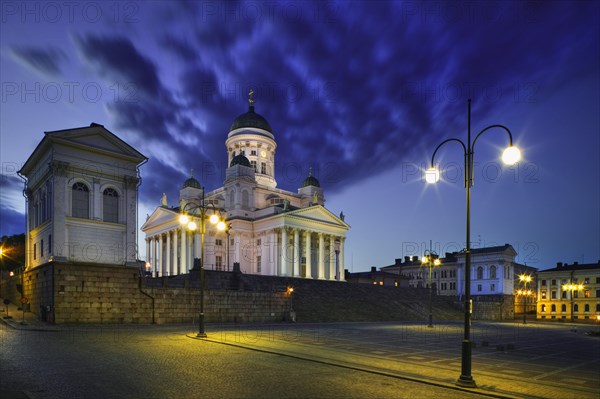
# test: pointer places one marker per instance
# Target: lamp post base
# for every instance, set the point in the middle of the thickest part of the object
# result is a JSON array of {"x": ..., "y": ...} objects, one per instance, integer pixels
[
  {"x": 466, "y": 382},
  {"x": 201, "y": 330},
  {"x": 430, "y": 325}
]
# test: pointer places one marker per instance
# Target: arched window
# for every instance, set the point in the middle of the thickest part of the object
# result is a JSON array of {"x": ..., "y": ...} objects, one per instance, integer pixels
[
  {"x": 563, "y": 308},
  {"x": 543, "y": 308},
  {"x": 586, "y": 308},
  {"x": 110, "y": 205},
  {"x": 480, "y": 273},
  {"x": 575, "y": 308},
  {"x": 232, "y": 199},
  {"x": 553, "y": 308},
  {"x": 493, "y": 272},
  {"x": 245, "y": 199},
  {"x": 81, "y": 201}
]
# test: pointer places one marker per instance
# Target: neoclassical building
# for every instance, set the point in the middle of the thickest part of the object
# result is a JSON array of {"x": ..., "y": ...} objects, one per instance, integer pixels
[
  {"x": 81, "y": 187},
  {"x": 270, "y": 231},
  {"x": 493, "y": 272}
]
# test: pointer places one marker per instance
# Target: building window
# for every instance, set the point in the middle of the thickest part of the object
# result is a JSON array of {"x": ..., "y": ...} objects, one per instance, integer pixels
[
  {"x": 543, "y": 283},
  {"x": 564, "y": 295},
  {"x": 253, "y": 152},
  {"x": 586, "y": 293},
  {"x": 218, "y": 242},
  {"x": 586, "y": 280},
  {"x": 258, "y": 263},
  {"x": 575, "y": 308},
  {"x": 493, "y": 287},
  {"x": 34, "y": 251},
  {"x": 598, "y": 307},
  {"x": 553, "y": 295},
  {"x": 42, "y": 249},
  {"x": 575, "y": 294},
  {"x": 553, "y": 308},
  {"x": 263, "y": 168},
  {"x": 479, "y": 288},
  {"x": 110, "y": 204},
  {"x": 597, "y": 293},
  {"x": 258, "y": 242},
  {"x": 563, "y": 308},
  {"x": 543, "y": 308},
  {"x": 219, "y": 262},
  {"x": 253, "y": 164},
  {"x": 586, "y": 308},
  {"x": 480, "y": 273},
  {"x": 49, "y": 243},
  {"x": 81, "y": 201},
  {"x": 553, "y": 282},
  {"x": 543, "y": 294},
  {"x": 493, "y": 272}
]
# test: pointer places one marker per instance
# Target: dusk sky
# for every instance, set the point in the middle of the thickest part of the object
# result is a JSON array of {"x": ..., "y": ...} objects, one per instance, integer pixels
[{"x": 361, "y": 91}]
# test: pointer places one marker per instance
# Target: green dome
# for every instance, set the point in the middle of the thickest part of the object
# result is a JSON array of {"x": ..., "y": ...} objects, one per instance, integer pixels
[
  {"x": 240, "y": 159},
  {"x": 310, "y": 180},
  {"x": 251, "y": 119},
  {"x": 192, "y": 182}
]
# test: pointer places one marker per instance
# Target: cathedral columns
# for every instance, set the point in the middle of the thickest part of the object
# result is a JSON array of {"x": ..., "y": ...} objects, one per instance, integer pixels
[
  {"x": 153, "y": 262},
  {"x": 308, "y": 255},
  {"x": 160, "y": 256},
  {"x": 341, "y": 276},
  {"x": 331, "y": 258},
  {"x": 296, "y": 272},
  {"x": 175, "y": 252},
  {"x": 148, "y": 240},
  {"x": 283, "y": 254},
  {"x": 321, "y": 271},
  {"x": 169, "y": 265},
  {"x": 183, "y": 267}
]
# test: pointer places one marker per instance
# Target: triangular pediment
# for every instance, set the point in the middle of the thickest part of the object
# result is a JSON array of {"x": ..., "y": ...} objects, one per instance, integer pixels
[
  {"x": 95, "y": 138},
  {"x": 160, "y": 218},
  {"x": 317, "y": 213}
]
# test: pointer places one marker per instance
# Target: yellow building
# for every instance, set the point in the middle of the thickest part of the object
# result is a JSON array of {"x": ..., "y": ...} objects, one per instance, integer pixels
[{"x": 569, "y": 292}]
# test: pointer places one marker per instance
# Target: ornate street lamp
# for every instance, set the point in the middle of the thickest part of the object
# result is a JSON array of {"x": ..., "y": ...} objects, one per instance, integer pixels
[
  {"x": 510, "y": 156},
  {"x": 524, "y": 279},
  {"x": 431, "y": 259},
  {"x": 189, "y": 212},
  {"x": 573, "y": 288}
]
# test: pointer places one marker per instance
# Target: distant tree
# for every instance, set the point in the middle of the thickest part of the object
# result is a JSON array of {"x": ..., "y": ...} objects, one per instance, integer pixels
[{"x": 13, "y": 252}]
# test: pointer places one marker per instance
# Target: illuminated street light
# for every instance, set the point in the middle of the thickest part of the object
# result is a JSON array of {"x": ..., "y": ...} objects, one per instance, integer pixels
[
  {"x": 524, "y": 279},
  {"x": 573, "y": 288},
  {"x": 511, "y": 156},
  {"x": 432, "y": 260},
  {"x": 187, "y": 219}
]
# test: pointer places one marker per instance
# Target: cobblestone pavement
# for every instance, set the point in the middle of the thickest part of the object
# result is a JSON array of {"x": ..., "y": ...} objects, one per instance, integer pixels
[{"x": 342, "y": 360}]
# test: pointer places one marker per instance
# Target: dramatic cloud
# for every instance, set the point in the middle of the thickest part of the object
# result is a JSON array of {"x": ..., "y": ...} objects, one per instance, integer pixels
[{"x": 46, "y": 61}]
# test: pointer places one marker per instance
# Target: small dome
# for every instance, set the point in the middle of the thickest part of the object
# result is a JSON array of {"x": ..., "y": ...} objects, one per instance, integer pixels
[
  {"x": 310, "y": 180},
  {"x": 240, "y": 159},
  {"x": 251, "y": 119},
  {"x": 192, "y": 182}
]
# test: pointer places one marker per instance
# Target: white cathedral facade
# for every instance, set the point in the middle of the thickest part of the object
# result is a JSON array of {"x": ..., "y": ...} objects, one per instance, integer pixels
[{"x": 270, "y": 231}]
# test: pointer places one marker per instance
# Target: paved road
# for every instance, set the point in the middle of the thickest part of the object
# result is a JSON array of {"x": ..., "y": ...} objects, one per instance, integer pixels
[{"x": 350, "y": 360}]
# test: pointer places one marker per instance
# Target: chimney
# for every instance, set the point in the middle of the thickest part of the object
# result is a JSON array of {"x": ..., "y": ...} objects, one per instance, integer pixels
[
  {"x": 406, "y": 259},
  {"x": 559, "y": 264},
  {"x": 575, "y": 263},
  {"x": 373, "y": 269},
  {"x": 397, "y": 261},
  {"x": 416, "y": 259}
]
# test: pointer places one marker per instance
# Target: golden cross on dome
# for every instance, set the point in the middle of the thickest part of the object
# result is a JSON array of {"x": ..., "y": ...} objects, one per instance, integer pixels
[{"x": 251, "y": 97}]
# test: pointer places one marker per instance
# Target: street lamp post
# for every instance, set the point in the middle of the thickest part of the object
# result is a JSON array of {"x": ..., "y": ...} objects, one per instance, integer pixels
[
  {"x": 186, "y": 219},
  {"x": 431, "y": 259},
  {"x": 573, "y": 288},
  {"x": 511, "y": 155},
  {"x": 524, "y": 279}
]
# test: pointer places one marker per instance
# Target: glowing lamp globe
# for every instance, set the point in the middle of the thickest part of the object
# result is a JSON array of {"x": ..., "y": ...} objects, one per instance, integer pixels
[
  {"x": 511, "y": 155},
  {"x": 221, "y": 226},
  {"x": 432, "y": 175},
  {"x": 214, "y": 219},
  {"x": 183, "y": 219},
  {"x": 192, "y": 226}
]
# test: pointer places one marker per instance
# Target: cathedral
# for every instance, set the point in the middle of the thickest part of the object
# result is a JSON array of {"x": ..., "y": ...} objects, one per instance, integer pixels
[{"x": 267, "y": 231}]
